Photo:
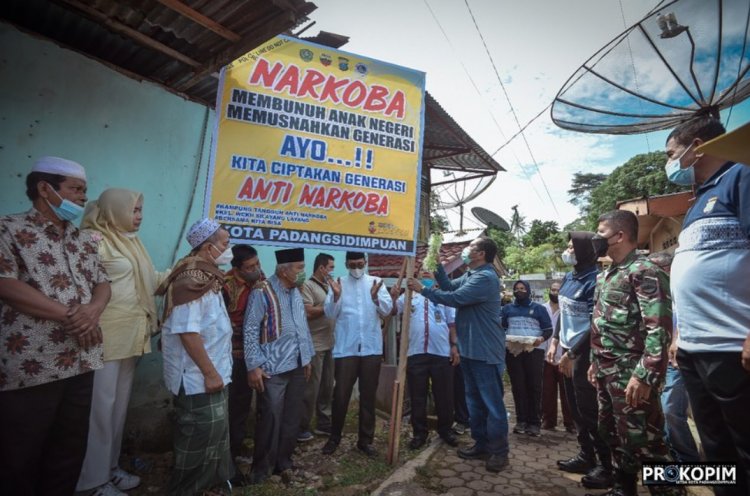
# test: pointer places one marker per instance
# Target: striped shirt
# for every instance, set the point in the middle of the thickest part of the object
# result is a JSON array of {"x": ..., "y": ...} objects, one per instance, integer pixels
[{"x": 293, "y": 344}]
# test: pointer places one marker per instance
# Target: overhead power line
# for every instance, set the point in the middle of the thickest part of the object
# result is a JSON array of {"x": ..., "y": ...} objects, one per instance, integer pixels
[{"x": 512, "y": 108}]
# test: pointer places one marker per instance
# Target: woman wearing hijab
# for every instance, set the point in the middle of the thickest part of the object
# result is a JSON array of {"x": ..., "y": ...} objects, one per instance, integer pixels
[{"x": 127, "y": 324}]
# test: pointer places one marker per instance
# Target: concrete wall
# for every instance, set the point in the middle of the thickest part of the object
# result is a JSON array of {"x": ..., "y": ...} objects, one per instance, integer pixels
[{"x": 127, "y": 134}]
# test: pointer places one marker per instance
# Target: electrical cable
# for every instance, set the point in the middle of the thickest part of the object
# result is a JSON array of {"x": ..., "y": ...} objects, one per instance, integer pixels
[{"x": 512, "y": 109}]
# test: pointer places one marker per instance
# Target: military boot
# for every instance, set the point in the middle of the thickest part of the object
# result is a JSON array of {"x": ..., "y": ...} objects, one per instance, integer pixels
[{"x": 624, "y": 485}]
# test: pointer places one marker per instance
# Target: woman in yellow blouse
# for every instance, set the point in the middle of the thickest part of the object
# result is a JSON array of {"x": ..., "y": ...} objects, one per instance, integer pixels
[{"x": 127, "y": 324}]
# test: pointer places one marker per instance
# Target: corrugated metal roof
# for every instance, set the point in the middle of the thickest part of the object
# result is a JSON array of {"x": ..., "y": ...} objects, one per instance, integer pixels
[{"x": 164, "y": 41}]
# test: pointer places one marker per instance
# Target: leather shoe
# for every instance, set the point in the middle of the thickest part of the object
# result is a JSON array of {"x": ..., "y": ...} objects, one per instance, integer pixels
[
  {"x": 473, "y": 453},
  {"x": 330, "y": 447},
  {"x": 597, "y": 478},
  {"x": 449, "y": 439},
  {"x": 417, "y": 442},
  {"x": 367, "y": 449},
  {"x": 576, "y": 465},
  {"x": 495, "y": 463}
]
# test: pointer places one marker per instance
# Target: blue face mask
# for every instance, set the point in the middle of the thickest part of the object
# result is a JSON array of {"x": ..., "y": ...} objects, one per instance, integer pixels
[
  {"x": 427, "y": 283},
  {"x": 67, "y": 210},
  {"x": 676, "y": 174},
  {"x": 465, "y": 256}
]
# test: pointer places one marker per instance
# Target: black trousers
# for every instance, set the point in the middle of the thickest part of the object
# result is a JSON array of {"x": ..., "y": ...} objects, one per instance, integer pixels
[
  {"x": 43, "y": 436},
  {"x": 459, "y": 397},
  {"x": 525, "y": 371},
  {"x": 240, "y": 400},
  {"x": 423, "y": 370},
  {"x": 347, "y": 371},
  {"x": 277, "y": 421},
  {"x": 584, "y": 407},
  {"x": 719, "y": 392}
]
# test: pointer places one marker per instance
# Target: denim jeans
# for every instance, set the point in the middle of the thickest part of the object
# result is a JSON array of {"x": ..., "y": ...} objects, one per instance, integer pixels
[
  {"x": 484, "y": 397},
  {"x": 674, "y": 402}
]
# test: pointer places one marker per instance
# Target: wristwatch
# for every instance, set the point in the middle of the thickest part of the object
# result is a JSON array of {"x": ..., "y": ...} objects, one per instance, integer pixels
[{"x": 571, "y": 355}]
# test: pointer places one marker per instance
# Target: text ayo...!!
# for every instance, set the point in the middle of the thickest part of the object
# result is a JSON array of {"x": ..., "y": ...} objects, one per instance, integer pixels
[
  {"x": 316, "y": 85},
  {"x": 319, "y": 197}
]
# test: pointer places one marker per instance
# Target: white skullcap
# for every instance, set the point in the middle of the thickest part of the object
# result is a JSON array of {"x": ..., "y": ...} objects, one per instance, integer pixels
[
  {"x": 201, "y": 231},
  {"x": 61, "y": 166}
]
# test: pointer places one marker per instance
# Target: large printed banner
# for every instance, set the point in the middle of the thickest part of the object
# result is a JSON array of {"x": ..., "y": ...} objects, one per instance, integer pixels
[{"x": 317, "y": 148}]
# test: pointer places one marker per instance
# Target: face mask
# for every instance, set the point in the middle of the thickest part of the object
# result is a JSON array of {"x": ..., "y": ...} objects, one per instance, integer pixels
[
  {"x": 601, "y": 244},
  {"x": 427, "y": 283},
  {"x": 225, "y": 257},
  {"x": 67, "y": 210},
  {"x": 676, "y": 174},
  {"x": 356, "y": 273},
  {"x": 301, "y": 278},
  {"x": 521, "y": 295},
  {"x": 465, "y": 256},
  {"x": 251, "y": 277},
  {"x": 553, "y": 297},
  {"x": 569, "y": 258}
]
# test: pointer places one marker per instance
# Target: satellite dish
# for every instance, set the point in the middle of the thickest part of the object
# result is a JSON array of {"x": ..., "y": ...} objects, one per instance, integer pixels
[
  {"x": 489, "y": 218},
  {"x": 685, "y": 58}
]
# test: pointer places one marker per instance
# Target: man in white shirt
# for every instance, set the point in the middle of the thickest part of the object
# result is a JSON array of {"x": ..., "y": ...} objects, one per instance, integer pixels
[
  {"x": 356, "y": 302},
  {"x": 197, "y": 349},
  {"x": 432, "y": 354}
]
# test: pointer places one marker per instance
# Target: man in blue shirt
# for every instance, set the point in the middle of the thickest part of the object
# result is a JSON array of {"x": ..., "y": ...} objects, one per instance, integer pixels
[
  {"x": 524, "y": 317},
  {"x": 481, "y": 345},
  {"x": 710, "y": 274},
  {"x": 573, "y": 335}
]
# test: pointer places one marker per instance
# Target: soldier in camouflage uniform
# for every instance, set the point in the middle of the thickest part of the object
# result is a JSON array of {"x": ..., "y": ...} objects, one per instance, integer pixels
[{"x": 630, "y": 336}]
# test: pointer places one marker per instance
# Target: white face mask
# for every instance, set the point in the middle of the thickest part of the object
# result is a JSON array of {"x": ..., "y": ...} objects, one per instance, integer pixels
[
  {"x": 569, "y": 258},
  {"x": 357, "y": 273},
  {"x": 225, "y": 257}
]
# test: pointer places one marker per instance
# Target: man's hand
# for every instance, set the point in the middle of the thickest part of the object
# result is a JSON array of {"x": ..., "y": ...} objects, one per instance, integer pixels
[
  {"x": 336, "y": 288},
  {"x": 213, "y": 382},
  {"x": 90, "y": 339},
  {"x": 376, "y": 285},
  {"x": 672, "y": 352},
  {"x": 746, "y": 354},
  {"x": 551, "y": 352},
  {"x": 455, "y": 357},
  {"x": 255, "y": 379},
  {"x": 538, "y": 341},
  {"x": 395, "y": 292},
  {"x": 82, "y": 319},
  {"x": 414, "y": 285},
  {"x": 566, "y": 366},
  {"x": 591, "y": 374},
  {"x": 636, "y": 392},
  {"x": 308, "y": 372}
]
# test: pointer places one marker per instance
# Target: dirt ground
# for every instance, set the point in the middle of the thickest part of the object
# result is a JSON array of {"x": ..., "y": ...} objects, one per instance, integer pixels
[{"x": 348, "y": 472}]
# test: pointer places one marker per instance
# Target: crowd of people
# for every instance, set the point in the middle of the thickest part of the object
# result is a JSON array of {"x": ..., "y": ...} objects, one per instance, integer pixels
[{"x": 629, "y": 348}]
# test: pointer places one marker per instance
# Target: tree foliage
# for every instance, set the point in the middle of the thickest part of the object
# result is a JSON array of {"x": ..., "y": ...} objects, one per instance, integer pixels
[
  {"x": 582, "y": 186},
  {"x": 642, "y": 175},
  {"x": 438, "y": 223},
  {"x": 541, "y": 232},
  {"x": 528, "y": 260}
]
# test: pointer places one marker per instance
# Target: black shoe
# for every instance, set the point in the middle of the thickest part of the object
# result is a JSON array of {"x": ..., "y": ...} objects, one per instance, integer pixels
[
  {"x": 239, "y": 480},
  {"x": 576, "y": 465},
  {"x": 533, "y": 430},
  {"x": 473, "y": 453},
  {"x": 520, "y": 428},
  {"x": 367, "y": 449},
  {"x": 330, "y": 447},
  {"x": 598, "y": 478},
  {"x": 257, "y": 478},
  {"x": 495, "y": 463},
  {"x": 417, "y": 442},
  {"x": 449, "y": 439}
]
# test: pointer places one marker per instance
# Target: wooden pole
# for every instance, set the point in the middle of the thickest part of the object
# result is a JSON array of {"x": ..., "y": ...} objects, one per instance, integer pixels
[
  {"x": 387, "y": 320},
  {"x": 394, "y": 436}
]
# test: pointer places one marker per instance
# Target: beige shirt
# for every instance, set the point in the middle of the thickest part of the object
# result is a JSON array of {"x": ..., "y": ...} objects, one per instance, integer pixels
[
  {"x": 124, "y": 323},
  {"x": 321, "y": 328}
]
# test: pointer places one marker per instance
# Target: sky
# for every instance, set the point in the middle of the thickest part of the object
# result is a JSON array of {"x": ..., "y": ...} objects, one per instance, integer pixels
[{"x": 536, "y": 45}]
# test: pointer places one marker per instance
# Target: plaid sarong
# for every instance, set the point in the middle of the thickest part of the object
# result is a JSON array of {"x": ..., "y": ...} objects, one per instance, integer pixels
[{"x": 202, "y": 460}]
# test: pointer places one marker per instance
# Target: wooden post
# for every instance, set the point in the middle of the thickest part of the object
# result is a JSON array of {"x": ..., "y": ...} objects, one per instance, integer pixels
[{"x": 394, "y": 434}]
